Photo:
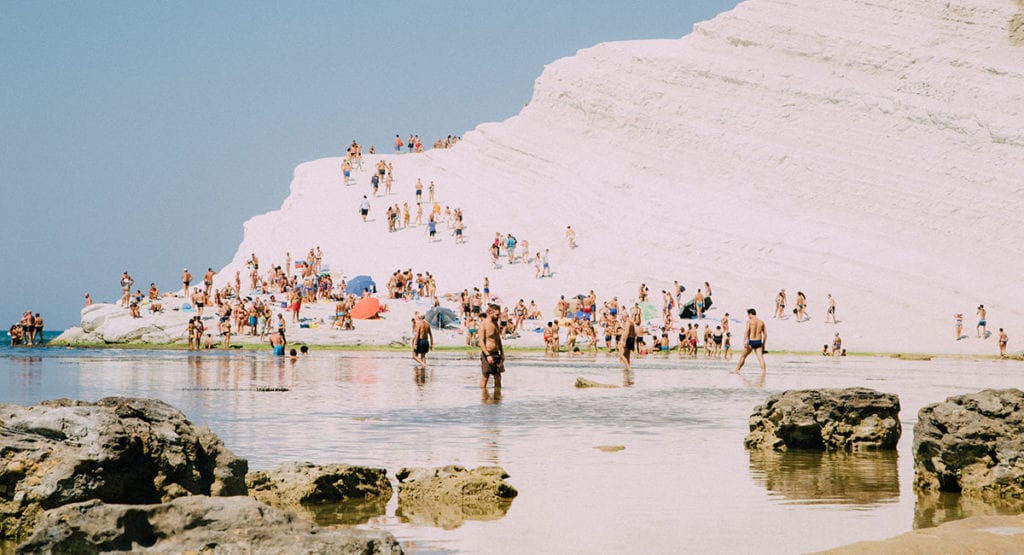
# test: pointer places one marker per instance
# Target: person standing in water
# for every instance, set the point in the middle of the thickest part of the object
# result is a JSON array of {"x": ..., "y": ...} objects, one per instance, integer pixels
[
  {"x": 628, "y": 344},
  {"x": 755, "y": 336},
  {"x": 958, "y": 322},
  {"x": 492, "y": 354},
  {"x": 1003, "y": 340},
  {"x": 422, "y": 339}
]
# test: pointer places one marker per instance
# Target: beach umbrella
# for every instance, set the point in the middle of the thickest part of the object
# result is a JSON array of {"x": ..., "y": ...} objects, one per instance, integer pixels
[
  {"x": 357, "y": 284},
  {"x": 648, "y": 311},
  {"x": 688, "y": 311},
  {"x": 441, "y": 318},
  {"x": 366, "y": 308}
]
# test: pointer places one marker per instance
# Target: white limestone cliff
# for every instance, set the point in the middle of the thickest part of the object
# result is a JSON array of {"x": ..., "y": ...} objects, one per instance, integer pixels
[{"x": 868, "y": 149}]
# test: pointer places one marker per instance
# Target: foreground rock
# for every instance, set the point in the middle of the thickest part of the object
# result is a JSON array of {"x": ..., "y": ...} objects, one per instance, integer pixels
[
  {"x": 827, "y": 419},
  {"x": 327, "y": 494},
  {"x": 972, "y": 444},
  {"x": 448, "y": 496},
  {"x": 195, "y": 524},
  {"x": 980, "y": 534},
  {"x": 117, "y": 450}
]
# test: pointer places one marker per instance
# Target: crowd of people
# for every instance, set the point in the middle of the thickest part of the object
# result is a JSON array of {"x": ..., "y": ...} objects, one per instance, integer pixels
[{"x": 28, "y": 331}]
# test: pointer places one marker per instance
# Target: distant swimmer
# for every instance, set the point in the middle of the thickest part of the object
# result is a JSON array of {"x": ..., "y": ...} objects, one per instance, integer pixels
[
  {"x": 958, "y": 323},
  {"x": 1003, "y": 339},
  {"x": 755, "y": 337},
  {"x": 981, "y": 321},
  {"x": 422, "y": 339},
  {"x": 492, "y": 354},
  {"x": 830, "y": 314}
]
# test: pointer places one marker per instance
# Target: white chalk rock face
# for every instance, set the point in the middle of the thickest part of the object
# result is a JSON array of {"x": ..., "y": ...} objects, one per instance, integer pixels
[
  {"x": 96, "y": 316},
  {"x": 871, "y": 150}
]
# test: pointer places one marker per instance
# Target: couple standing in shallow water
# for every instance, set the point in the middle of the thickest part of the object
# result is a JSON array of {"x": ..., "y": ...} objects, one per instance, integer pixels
[{"x": 492, "y": 354}]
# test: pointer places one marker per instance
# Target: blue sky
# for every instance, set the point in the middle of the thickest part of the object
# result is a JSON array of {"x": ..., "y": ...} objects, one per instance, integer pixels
[{"x": 140, "y": 136}]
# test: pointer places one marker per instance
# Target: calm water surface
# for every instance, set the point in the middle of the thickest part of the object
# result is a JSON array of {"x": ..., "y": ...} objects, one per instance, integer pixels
[{"x": 683, "y": 483}]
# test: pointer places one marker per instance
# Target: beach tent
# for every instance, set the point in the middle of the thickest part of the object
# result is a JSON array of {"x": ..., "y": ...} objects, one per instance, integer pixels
[
  {"x": 689, "y": 312},
  {"x": 366, "y": 308},
  {"x": 648, "y": 311},
  {"x": 357, "y": 284},
  {"x": 439, "y": 317}
]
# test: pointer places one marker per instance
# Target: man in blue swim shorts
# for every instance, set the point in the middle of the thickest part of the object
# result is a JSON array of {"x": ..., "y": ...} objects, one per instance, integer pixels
[
  {"x": 755, "y": 336},
  {"x": 277, "y": 343}
]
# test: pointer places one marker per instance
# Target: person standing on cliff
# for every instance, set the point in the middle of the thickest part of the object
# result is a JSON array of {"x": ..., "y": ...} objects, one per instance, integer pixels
[
  {"x": 755, "y": 337},
  {"x": 208, "y": 280},
  {"x": 186, "y": 278},
  {"x": 422, "y": 340},
  {"x": 492, "y": 354},
  {"x": 126, "y": 288},
  {"x": 982, "y": 332},
  {"x": 364, "y": 208}
]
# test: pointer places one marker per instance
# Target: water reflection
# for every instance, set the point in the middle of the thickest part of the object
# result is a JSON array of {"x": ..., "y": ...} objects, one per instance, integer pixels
[
  {"x": 418, "y": 512},
  {"x": 811, "y": 477},
  {"x": 347, "y": 513},
  {"x": 934, "y": 508}
]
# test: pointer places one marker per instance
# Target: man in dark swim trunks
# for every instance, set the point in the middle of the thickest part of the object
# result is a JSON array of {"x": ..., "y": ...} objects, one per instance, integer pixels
[
  {"x": 492, "y": 354},
  {"x": 422, "y": 339},
  {"x": 755, "y": 336},
  {"x": 628, "y": 344}
]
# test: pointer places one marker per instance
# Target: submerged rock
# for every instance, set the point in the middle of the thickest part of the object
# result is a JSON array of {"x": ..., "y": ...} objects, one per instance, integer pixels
[
  {"x": 327, "y": 494},
  {"x": 826, "y": 419},
  {"x": 973, "y": 444},
  {"x": 195, "y": 524},
  {"x": 448, "y": 496},
  {"x": 118, "y": 450},
  {"x": 582, "y": 382}
]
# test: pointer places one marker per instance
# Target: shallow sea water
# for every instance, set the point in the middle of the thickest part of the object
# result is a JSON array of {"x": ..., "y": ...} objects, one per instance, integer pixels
[{"x": 683, "y": 483}]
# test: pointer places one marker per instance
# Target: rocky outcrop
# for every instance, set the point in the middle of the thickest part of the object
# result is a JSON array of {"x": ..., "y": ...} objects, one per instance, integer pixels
[
  {"x": 327, "y": 494},
  {"x": 118, "y": 450},
  {"x": 448, "y": 496},
  {"x": 973, "y": 444},
  {"x": 826, "y": 419},
  {"x": 195, "y": 524}
]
